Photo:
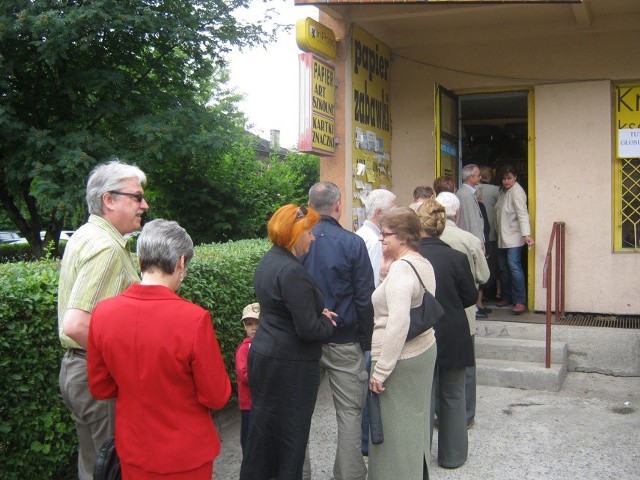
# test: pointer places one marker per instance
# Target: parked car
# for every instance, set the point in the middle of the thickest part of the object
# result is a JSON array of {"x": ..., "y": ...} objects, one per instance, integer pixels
[
  {"x": 8, "y": 237},
  {"x": 65, "y": 235}
]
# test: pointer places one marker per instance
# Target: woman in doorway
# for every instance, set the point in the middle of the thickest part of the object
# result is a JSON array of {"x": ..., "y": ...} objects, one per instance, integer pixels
[{"x": 514, "y": 231}]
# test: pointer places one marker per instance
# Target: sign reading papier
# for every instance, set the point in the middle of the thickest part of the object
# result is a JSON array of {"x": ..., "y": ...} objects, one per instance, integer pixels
[
  {"x": 317, "y": 105},
  {"x": 628, "y": 121},
  {"x": 371, "y": 118}
]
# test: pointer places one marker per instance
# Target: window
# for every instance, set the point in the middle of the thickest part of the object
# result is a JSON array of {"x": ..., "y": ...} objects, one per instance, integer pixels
[{"x": 627, "y": 169}]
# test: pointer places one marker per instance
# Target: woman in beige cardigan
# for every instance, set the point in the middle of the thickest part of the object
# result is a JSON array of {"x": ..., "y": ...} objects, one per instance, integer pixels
[
  {"x": 401, "y": 369},
  {"x": 514, "y": 231}
]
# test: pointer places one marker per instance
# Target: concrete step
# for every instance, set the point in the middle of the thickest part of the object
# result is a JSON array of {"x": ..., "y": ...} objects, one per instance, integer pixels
[
  {"x": 520, "y": 350},
  {"x": 525, "y": 375}
]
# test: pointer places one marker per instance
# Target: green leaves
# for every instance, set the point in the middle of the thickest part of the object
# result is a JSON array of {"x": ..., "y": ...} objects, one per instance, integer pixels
[{"x": 37, "y": 432}]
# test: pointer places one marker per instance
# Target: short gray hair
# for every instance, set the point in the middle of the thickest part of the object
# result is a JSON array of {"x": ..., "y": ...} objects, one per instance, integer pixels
[
  {"x": 323, "y": 196},
  {"x": 379, "y": 198},
  {"x": 106, "y": 177},
  {"x": 161, "y": 244},
  {"x": 450, "y": 202},
  {"x": 467, "y": 170}
]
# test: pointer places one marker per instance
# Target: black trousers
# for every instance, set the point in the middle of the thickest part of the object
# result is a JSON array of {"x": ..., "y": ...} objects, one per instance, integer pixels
[{"x": 283, "y": 397}]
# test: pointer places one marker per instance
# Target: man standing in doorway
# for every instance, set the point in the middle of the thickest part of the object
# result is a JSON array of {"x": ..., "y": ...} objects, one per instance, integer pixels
[
  {"x": 96, "y": 265},
  {"x": 470, "y": 216},
  {"x": 339, "y": 262}
]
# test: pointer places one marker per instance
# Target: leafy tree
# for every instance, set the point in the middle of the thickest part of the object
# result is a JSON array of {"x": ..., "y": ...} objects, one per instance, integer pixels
[{"x": 82, "y": 81}]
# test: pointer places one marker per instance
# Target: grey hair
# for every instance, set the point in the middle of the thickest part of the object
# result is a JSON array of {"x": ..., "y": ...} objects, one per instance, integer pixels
[
  {"x": 323, "y": 196},
  {"x": 450, "y": 202},
  {"x": 106, "y": 177},
  {"x": 379, "y": 198},
  {"x": 467, "y": 171},
  {"x": 161, "y": 244}
]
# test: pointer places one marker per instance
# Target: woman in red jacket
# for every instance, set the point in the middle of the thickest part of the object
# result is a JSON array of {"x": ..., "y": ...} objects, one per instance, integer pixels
[{"x": 158, "y": 355}]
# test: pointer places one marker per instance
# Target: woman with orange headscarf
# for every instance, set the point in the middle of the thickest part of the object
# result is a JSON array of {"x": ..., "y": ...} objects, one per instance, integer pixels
[{"x": 283, "y": 367}]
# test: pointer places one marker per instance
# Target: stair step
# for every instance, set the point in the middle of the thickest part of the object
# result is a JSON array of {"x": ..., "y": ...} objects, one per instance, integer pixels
[
  {"x": 517, "y": 374},
  {"x": 519, "y": 350}
]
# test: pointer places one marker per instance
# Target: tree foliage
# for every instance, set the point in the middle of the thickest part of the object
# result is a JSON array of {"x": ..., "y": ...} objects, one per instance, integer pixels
[{"x": 83, "y": 81}]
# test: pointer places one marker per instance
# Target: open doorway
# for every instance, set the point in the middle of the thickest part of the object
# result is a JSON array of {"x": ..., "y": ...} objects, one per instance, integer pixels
[
  {"x": 494, "y": 132},
  {"x": 490, "y": 129}
]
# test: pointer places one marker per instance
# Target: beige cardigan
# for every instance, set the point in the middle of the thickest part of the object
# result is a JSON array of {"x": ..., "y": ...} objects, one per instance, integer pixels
[
  {"x": 397, "y": 294},
  {"x": 512, "y": 217}
]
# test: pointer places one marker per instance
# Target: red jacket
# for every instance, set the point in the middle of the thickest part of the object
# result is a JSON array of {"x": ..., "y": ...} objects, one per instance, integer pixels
[
  {"x": 244, "y": 394},
  {"x": 158, "y": 355}
]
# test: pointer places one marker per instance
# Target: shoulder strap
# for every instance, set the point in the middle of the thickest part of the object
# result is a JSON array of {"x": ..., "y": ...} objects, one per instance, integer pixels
[{"x": 416, "y": 272}]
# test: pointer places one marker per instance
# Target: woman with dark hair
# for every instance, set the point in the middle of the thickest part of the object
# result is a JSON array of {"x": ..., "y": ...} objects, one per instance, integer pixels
[
  {"x": 456, "y": 290},
  {"x": 514, "y": 231},
  {"x": 444, "y": 184},
  {"x": 401, "y": 369},
  {"x": 283, "y": 366},
  {"x": 157, "y": 354}
]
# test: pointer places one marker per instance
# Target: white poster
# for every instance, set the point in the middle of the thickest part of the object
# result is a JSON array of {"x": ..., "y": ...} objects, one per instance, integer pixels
[{"x": 629, "y": 143}]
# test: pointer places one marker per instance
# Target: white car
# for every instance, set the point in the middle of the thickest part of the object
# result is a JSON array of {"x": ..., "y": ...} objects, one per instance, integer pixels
[
  {"x": 9, "y": 237},
  {"x": 65, "y": 235}
]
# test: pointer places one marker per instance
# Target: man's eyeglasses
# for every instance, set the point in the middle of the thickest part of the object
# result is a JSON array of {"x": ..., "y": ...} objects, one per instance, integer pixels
[
  {"x": 387, "y": 234},
  {"x": 137, "y": 196},
  {"x": 302, "y": 212}
]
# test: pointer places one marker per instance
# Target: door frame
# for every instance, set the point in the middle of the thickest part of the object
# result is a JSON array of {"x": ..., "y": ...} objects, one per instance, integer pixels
[{"x": 531, "y": 164}]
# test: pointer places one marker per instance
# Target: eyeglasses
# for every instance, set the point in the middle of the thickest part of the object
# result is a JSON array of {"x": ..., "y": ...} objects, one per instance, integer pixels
[
  {"x": 387, "y": 234},
  {"x": 137, "y": 196},
  {"x": 302, "y": 212}
]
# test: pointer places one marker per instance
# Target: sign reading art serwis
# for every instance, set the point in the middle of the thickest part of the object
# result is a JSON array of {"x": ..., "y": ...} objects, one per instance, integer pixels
[{"x": 317, "y": 105}]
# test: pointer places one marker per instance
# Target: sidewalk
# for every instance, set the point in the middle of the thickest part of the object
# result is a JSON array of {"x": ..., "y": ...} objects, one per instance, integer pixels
[{"x": 590, "y": 429}]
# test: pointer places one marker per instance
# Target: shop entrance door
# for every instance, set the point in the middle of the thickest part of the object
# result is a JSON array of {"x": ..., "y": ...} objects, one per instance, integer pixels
[{"x": 491, "y": 129}]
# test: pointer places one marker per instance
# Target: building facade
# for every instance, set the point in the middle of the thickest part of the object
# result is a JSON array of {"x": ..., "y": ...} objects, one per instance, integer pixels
[{"x": 553, "y": 89}]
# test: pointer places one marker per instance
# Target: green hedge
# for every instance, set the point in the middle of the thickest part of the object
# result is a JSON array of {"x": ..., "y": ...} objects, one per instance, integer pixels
[
  {"x": 37, "y": 433},
  {"x": 19, "y": 252}
]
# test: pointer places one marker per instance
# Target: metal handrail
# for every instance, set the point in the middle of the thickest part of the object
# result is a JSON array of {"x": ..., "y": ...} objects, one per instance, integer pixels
[{"x": 557, "y": 234}]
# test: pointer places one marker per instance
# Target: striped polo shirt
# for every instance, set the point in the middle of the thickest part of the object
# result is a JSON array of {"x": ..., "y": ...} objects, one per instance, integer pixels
[{"x": 97, "y": 264}]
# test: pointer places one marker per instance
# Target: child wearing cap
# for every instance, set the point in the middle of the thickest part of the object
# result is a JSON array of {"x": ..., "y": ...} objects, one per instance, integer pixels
[{"x": 250, "y": 320}]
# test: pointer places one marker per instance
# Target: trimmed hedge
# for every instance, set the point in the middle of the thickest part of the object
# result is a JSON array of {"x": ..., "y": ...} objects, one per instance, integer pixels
[
  {"x": 21, "y": 252},
  {"x": 37, "y": 433}
]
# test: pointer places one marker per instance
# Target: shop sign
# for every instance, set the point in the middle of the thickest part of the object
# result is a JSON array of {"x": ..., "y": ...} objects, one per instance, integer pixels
[
  {"x": 317, "y": 105},
  {"x": 628, "y": 121},
  {"x": 314, "y": 37}
]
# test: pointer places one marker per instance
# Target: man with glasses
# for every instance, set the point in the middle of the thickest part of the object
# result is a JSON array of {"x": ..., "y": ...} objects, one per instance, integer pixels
[
  {"x": 97, "y": 264},
  {"x": 339, "y": 262}
]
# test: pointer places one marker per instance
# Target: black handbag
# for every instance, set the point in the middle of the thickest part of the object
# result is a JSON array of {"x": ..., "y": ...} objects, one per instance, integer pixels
[
  {"x": 375, "y": 419},
  {"x": 107, "y": 463},
  {"x": 424, "y": 316}
]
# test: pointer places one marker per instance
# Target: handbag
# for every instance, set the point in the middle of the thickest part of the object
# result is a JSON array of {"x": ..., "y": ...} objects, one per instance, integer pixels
[
  {"x": 107, "y": 465},
  {"x": 375, "y": 419},
  {"x": 424, "y": 316}
]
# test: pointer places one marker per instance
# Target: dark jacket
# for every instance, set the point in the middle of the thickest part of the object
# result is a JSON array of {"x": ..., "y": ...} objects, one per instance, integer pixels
[
  {"x": 455, "y": 290},
  {"x": 292, "y": 325},
  {"x": 339, "y": 262}
]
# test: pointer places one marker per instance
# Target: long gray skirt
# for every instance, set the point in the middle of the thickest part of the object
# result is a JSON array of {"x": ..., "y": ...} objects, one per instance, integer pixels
[{"x": 405, "y": 407}]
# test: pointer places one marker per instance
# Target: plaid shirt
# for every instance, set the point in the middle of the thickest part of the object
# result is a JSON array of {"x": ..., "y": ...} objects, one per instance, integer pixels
[{"x": 97, "y": 264}]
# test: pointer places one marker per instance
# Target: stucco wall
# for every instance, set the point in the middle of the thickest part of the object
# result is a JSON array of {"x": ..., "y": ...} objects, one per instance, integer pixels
[
  {"x": 574, "y": 185},
  {"x": 573, "y": 129}
]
